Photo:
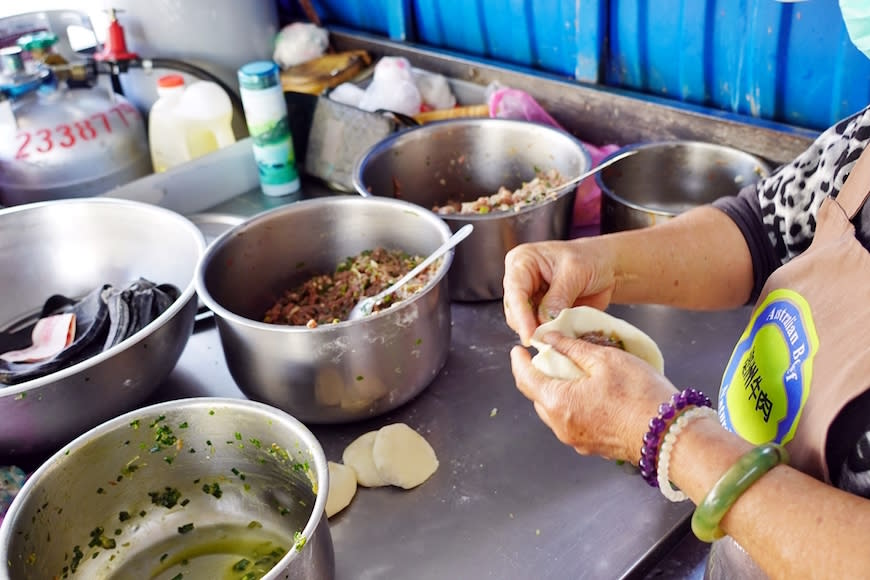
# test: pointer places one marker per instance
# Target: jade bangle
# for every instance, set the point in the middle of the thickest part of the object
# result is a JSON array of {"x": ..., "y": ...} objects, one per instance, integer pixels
[{"x": 746, "y": 471}]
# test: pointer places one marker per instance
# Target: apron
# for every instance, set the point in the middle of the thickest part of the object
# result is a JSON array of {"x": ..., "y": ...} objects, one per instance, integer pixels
[{"x": 802, "y": 357}]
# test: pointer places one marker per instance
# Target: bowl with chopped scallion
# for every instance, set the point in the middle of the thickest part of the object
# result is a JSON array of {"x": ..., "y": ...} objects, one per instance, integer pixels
[{"x": 193, "y": 488}]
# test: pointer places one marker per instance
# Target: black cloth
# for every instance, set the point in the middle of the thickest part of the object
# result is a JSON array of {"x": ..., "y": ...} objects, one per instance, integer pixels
[{"x": 103, "y": 318}]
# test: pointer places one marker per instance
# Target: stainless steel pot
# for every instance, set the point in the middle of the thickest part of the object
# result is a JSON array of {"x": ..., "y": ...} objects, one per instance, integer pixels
[
  {"x": 662, "y": 180},
  {"x": 337, "y": 372},
  {"x": 187, "y": 487},
  {"x": 71, "y": 247},
  {"x": 463, "y": 159}
]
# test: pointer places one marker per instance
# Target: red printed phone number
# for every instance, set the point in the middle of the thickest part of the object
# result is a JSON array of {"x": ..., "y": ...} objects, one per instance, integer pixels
[{"x": 66, "y": 136}]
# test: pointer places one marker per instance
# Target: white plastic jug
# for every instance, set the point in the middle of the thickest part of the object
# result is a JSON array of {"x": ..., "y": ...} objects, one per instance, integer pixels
[{"x": 187, "y": 122}]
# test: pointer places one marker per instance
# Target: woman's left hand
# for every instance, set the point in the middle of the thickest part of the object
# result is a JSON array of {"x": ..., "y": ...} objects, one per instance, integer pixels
[{"x": 605, "y": 413}]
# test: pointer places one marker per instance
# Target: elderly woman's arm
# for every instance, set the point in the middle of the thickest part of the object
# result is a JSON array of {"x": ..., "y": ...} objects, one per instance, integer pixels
[
  {"x": 699, "y": 260},
  {"x": 791, "y": 524}
]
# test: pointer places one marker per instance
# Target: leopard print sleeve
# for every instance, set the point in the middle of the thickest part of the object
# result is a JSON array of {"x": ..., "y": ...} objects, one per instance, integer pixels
[{"x": 790, "y": 197}]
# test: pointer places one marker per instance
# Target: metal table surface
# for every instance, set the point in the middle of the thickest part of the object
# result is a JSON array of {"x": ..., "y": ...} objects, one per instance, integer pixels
[{"x": 508, "y": 500}]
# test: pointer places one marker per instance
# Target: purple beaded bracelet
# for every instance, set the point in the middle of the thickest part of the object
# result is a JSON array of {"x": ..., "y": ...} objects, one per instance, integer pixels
[{"x": 659, "y": 424}]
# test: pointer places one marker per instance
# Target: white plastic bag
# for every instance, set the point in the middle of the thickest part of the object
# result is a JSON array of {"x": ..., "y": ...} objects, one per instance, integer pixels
[
  {"x": 435, "y": 90},
  {"x": 392, "y": 88},
  {"x": 299, "y": 42},
  {"x": 347, "y": 93}
]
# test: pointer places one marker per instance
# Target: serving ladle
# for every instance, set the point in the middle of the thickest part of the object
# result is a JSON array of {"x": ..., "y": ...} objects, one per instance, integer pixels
[{"x": 365, "y": 306}]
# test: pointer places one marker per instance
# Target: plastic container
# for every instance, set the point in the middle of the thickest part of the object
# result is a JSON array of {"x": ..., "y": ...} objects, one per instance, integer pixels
[
  {"x": 187, "y": 122},
  {"x": 269, "y": 127}
]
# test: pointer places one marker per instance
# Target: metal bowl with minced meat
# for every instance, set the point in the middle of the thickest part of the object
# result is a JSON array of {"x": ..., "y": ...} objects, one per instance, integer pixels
[
  {"x": 329, "y": 298},
  {"x": 334, "y": 373},
  {"x": 464, "y": 159},
  {"x": 544, "y": 187}
]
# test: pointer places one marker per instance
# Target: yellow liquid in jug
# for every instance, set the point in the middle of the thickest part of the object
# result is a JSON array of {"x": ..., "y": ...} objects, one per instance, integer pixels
[{"x": 200, "y": 142}]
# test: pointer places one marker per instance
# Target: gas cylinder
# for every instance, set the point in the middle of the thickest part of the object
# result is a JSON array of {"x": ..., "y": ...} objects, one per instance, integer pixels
[{"x": 59, "y": 142}]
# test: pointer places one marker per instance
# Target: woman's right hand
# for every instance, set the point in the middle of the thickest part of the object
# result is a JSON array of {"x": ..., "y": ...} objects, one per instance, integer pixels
[
  {"x": 607, "y": 411},
  {"x": 543, "y": 278}
]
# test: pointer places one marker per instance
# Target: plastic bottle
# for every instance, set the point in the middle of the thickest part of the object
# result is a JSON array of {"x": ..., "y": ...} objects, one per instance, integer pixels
[
  {"x": 268, "y": 125},
  {"x": 167, "y": 149},
  {"x": 188, "y": 122}
]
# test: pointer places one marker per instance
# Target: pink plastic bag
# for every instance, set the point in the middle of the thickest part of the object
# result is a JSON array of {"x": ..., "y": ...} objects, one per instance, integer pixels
[
  {"x": 507, "y": 103},
  {"x": 587, "y": 206}
]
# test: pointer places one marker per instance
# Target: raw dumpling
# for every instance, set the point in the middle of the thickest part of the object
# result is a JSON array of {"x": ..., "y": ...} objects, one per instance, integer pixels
[
  {"x": 402, "y": 456},
  {"x": 342, "y": 488},
  {"x": 583, "y": 319},
  {"x": 358, "y": 455}
]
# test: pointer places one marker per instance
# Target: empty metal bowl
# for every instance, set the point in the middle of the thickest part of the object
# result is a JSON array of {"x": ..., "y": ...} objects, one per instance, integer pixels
[
  {"x": 463, "y": 159},
  {"x": 662, "y": 180},
  {"x": 335, "y": 372},
  {"x": 193, "y": 488},
  {"x": 71, "y": 247}
]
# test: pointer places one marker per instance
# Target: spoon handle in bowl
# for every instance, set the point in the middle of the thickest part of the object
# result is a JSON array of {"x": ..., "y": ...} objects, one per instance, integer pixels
[
  {"x": 460, "y": 235},
  {"x": 364, "y": 306},
  {"x": 596, "y": 169}
]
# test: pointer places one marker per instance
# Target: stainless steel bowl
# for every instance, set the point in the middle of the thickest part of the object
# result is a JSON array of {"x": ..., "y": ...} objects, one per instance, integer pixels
[
  {"x": 71, "y": 247},
  {"x": 463, "y": 159},
  {"x": 662, "y": 180},
  {"x": 338, "y": 372},
  {"x": 186, "y": 487}
]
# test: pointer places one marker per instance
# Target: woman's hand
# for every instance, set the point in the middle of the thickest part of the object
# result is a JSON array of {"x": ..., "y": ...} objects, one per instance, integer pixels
[
  {"x": 699, "y": 260},
  {"x": 543, "y": 278},
  {"x": 605, "y": 413}
]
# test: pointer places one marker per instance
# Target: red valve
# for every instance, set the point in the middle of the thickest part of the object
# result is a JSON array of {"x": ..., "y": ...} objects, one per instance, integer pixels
[{"x": 115, "y": 47}]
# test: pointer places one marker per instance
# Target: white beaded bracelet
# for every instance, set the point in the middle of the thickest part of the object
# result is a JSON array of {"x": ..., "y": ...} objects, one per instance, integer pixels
[{"x": 668, "y": 441}]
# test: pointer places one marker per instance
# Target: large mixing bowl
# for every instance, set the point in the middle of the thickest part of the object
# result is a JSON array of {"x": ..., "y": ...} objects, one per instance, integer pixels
[
  {"x": 183, "y": 489},
  {"x": 661, "y": 180},
  {"x": 71, "y": 247},
  {"x": 463, "y": 159},
  {"x": 335, "y": 372}
]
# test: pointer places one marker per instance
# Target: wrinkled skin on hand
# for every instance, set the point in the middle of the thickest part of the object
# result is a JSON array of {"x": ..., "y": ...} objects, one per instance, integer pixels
[
  {"x": 543, "y": 278},
  {"x": 605, "y": 413}
]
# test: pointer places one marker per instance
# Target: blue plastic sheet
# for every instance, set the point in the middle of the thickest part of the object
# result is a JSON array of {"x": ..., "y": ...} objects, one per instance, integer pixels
[
  {"x": 788, "y": 62},
  {"x": 779, "y": 61},
  {"x": 559, "y": 36}
]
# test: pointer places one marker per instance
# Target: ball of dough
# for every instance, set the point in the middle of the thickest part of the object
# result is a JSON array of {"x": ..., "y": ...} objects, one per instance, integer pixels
[
  {"x": 358, "y": 455},
  {"x": 342, "y": 488},
  {"x": 402, "y": 456}
]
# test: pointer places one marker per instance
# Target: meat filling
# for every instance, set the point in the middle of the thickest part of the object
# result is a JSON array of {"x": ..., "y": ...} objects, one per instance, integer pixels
[
  {"x": 329, "y": 298},
  {"x": 599, "y": 338},
  {"x": 544, "y": 187}
]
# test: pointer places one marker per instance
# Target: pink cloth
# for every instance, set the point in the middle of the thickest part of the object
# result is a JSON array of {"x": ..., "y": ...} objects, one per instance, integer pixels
[
  {"x": 587, "y": 206},
  {"x": 507, "y": 103}
]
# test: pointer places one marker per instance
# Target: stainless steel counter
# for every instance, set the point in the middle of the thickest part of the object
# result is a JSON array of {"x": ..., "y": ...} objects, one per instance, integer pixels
[{"x": 508, "y": 500}]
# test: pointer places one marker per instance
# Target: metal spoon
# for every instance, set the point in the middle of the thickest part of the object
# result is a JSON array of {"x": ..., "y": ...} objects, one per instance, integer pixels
[
  {"x": 365, "y": 305},
  {"x": 572, "y": 181},
  {"x": 593, "y": 171}
]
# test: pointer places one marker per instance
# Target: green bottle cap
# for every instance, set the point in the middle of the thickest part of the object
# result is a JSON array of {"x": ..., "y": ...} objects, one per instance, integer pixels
[{"x": 37, "y": 40}]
